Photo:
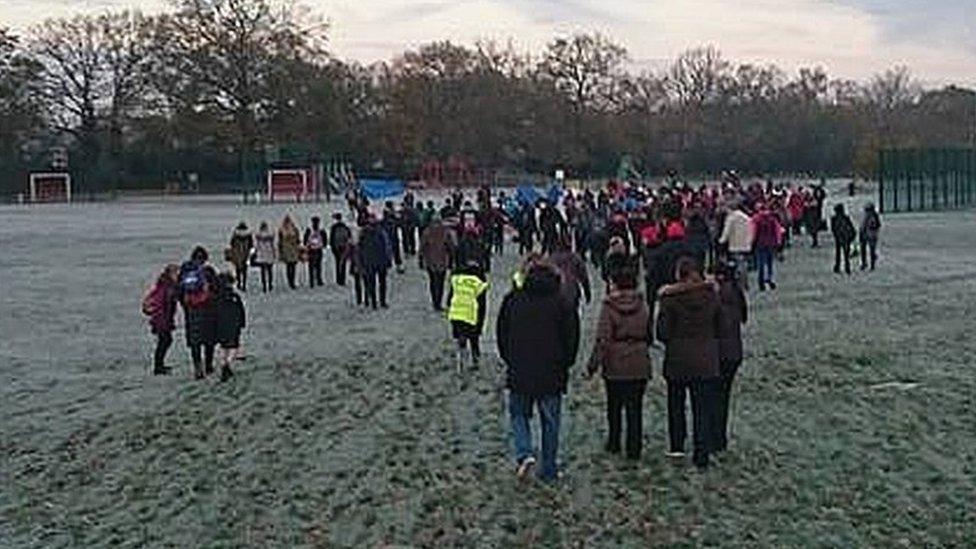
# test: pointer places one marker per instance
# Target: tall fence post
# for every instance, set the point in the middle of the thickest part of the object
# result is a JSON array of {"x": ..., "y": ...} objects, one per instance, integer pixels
[{"x": 881, "y": 180}]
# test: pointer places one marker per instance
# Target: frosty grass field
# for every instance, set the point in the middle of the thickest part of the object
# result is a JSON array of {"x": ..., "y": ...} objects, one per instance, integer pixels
[{"x": 348, "y": 428}]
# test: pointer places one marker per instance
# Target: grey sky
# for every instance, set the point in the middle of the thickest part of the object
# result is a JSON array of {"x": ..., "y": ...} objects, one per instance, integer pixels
[{"x": 851, "y": 38}]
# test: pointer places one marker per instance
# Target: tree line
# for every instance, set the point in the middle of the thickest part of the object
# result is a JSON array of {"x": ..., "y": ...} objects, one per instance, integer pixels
[{"x": 211, "y": 86}]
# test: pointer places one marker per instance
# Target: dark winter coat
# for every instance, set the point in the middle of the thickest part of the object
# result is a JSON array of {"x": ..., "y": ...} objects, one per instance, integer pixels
[
  {"x": 870, "y": 226},
  {"x": 241, "y": 243},
  {"x": 735, "y": 313},
  {"x": 575, "y": 278},
  {"x": 842, "y": 228},
  {"x": 623, "y": 336},
  {"x": 201, "y": 322},
  {"x": 688, "y": 324},
  {"x": 231, "y": 318},
  {"x": 375, "y": 253},
  {"x": 538, "y": 336},
  {"x": 340, "y": 237}
]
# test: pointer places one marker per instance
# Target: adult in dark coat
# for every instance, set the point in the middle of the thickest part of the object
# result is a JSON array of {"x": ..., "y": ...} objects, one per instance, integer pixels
[
  {"x": 538, "y": 339},
  {"x": 375, "y": 258},
  {"x": 340, "y": 239},
  {"x": 869, "y": 233},
  {"x": 241, "y": 243},
  {"x": 553, "y": 226},
  {"x": 735, "y": 313},
  {"x": 391, "y": 225},
  {"x": 688, "y": 324},
  {"x": 844, "y": 233}
]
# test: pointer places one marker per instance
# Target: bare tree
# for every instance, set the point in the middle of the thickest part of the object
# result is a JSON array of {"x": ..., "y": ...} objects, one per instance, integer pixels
[{"x": 588, "y": 67}]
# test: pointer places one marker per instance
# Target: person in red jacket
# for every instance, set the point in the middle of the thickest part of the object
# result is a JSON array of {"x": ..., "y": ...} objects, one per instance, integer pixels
[
  {"x": 159, "y": 305},
  {"x": 769, "y": 232}
]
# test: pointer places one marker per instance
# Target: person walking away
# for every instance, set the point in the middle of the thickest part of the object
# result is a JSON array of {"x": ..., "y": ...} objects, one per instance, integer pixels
[
  {"x": 575, "y": 279},
  {"x": 538, "y": 339},
  {"x": 812, "y": 215},
  {"x": 737, "y": 235},
  {"x": 842, "y": 228},
  {"x": 617, "y": 257},
  {"x": 527, "y": 229},
  {"x": 354, "y": 257},
  {"x": 241, "y": 243},
  {"x": 624, "y": 334},
  {"x": 340, "y": 236},
  {"x": 471, "y": 247},
  {"x": 468, "y": 301},
  {"x": 376, "y": 258},
  {"x": 159, "y": 304},
  {"x": 315, "y": 241},
  {"x": 198, "y": 282},
  {"x": 289, "y": 249},
  {"x": 768, "y": 235},
  {"x": 652, "y": 238},
  {"x": 409, "y": 221},
  {"x": 735, "y": 313},
  {"x": 231, "y": 320},
  {"x": 870, "y": 230},
  {"x": 688, "y": 324},
  {"x": 552, "y": 224},
  {"x": 391, "y": 225},
  {"x": 264, "y": 256},
  {"x": 436, "y": 252}
]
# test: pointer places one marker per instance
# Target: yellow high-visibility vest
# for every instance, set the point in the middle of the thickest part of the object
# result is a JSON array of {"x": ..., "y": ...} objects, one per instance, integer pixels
[{"x": 465, "y": 291}]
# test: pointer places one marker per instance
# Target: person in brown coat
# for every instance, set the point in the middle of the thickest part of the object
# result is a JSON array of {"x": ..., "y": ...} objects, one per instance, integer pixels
[
  {"x": 436, "y": 254},
  {"x": 624, "y": 334},
  {"x": 575, "y": 280},
  {"x": 688, "y": 324},
  {"x": 735, "y": 313}
]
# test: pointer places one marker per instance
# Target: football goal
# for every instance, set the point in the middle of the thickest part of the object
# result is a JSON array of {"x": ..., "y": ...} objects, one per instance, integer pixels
[
  {"x": 50, "y": 187},
  {"x": 297, "y": 184}
]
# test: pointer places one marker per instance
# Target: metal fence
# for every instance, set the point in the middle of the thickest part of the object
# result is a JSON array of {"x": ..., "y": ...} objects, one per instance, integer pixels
[{"x": 916, "y": 180}]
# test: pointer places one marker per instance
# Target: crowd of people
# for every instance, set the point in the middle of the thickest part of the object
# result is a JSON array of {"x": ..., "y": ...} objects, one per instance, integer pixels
[{"x": 691, "y": 247}]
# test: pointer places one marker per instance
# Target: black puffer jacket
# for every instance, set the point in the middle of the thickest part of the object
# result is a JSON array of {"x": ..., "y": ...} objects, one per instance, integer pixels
[{"x": 538, "y": 335}]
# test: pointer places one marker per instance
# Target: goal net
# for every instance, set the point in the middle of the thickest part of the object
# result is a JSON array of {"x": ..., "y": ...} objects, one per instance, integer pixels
[
  {"x": 50, "y": 187},
  {"x": 297, "y": 184}
]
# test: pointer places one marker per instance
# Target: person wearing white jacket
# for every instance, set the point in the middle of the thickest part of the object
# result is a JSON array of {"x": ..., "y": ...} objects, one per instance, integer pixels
[{"x": 738, "y": 235}]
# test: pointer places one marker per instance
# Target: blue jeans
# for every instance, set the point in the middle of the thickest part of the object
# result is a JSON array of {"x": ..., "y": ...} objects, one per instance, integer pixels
[
  {"x": 765, "y": 258},
  {"x": 520, "y": 412}
]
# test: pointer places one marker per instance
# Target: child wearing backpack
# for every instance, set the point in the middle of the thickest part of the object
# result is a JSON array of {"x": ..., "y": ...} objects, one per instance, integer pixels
[
  {"x": 231, "y": 320},
  {"x": 159, "y": 304},
  {"x": 198, "y": 282},
  {"x": 468, "y": 304}
]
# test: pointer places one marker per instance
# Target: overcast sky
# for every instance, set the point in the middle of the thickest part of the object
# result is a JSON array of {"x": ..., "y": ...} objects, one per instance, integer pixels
[{"x": 850, "y": 38}]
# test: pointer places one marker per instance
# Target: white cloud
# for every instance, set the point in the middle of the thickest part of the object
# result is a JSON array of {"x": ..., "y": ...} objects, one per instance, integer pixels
[{"x": 848, "y": 41}]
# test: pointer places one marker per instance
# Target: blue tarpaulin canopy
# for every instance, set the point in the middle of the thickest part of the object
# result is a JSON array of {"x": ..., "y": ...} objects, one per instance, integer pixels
[
  {"x": 527, "y": 194},
  {"x": 379, "y": 189}
]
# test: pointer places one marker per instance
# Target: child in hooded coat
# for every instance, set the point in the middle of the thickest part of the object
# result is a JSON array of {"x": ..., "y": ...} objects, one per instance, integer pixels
[{"x": 231, "y": 320}]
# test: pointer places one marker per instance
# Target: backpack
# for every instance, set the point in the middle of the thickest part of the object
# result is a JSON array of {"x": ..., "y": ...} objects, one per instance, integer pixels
[
  {"x": 315, "y": 240},
  {"x": 873, "y": 223},
  {"x": 194, "y": 285},
  {"x": 152, "y": 301},
  {"x": 341, "y": 238}
]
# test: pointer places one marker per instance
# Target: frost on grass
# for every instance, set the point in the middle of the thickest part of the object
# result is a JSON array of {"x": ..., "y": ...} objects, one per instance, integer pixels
[{"x": 851, "y": 422}]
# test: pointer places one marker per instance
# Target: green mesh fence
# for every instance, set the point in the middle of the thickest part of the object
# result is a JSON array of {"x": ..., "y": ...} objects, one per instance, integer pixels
[{"x": 915, "y": 180}]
